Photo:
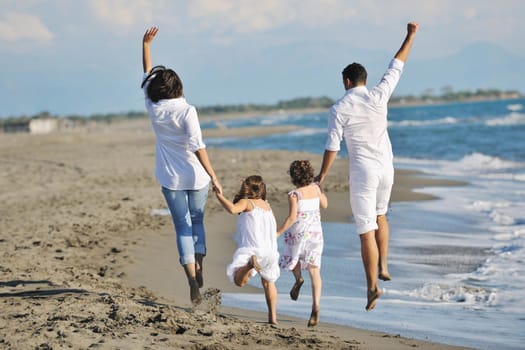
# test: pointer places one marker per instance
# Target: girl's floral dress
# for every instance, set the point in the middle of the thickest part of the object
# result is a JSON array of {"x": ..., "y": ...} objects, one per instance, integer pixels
[{"x": 303, "y": 241}]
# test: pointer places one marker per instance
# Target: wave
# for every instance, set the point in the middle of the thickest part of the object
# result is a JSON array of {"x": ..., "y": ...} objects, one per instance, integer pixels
[
  {"x": 515, "y": 107},
  {"x": 508, "y": 119},
  {"x": 405, "y": 123},
  {"x": 501, "y": 218},
  {"x": 488, "y": 206},
  {"x": 307, "y": 132},
  {"x": 481, "y": 163},
  {"x": 519, "y": 177},
  {"x": 471, "y": 164},
  {"x": 505, "y": 268},
  {"x": 511, "y": 119},
  {"x": 274, "y": 119},
  {"x": 509, "y": 236},
  {"x": 449, "y": 294}
]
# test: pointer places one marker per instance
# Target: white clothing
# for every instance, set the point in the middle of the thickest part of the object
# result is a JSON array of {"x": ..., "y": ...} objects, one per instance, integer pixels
[
  {"x": 256, "y": 235},
  {"x": 369, "y": 197},
  {"x": 178, "y": 137},
  {"x": 360, "y": 116}
]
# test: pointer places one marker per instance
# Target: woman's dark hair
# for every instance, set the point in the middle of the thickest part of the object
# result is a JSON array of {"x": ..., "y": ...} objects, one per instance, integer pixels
[
  {"x": 301, "y": 172},
  {"x": 355, "y": 72},
  {"x": 165, "y": 84},
  {"x": 253, "y": 187}
]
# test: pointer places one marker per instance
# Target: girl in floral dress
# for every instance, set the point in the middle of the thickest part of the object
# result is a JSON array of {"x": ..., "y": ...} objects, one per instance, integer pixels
[{"x": 303, "y": 238}]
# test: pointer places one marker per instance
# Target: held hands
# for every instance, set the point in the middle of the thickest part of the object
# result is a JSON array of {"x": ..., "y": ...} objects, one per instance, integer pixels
[
  {"x": 217, "y": 188},
  {"x": 150, "y": 35}
]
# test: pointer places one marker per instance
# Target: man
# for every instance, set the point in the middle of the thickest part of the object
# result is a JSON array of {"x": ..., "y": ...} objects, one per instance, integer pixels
[{"x": 360, "y": 116}]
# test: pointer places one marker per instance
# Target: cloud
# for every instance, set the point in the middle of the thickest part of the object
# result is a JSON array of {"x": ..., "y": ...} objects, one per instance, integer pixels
[
  {"x": 470, "y": 13},
  {"x": 239, "y": 17},
  {"x": 122, "y": 15},
  {"x": 20, "y": 26},
  {"x": 246, "y": 16}
]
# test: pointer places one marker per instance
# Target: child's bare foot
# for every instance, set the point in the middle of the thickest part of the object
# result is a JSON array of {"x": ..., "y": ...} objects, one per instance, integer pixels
[
  {"x": 294, "y": 292},
  {"x": 254, "y": 264},
  {"x": 372, "y": 299},
  {"x": 314, "y": 318},
  {"x": 384, "y": 275}
]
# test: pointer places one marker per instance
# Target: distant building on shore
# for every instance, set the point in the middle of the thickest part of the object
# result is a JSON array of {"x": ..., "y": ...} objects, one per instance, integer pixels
[{"x": 32, "y": 126}]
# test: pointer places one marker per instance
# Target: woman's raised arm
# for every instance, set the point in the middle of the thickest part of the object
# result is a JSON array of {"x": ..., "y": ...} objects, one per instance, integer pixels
[{"x": 146, "y": 51}]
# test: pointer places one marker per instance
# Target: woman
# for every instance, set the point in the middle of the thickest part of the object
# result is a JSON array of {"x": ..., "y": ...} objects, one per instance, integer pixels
[{"x": 182, "y": 166}]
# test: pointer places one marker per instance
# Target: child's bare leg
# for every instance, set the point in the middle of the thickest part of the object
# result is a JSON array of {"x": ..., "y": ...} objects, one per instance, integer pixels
[
  {"x": 297, "y": 271},
  {"x": 296, "y": 288},
  {"x": 315, "y": 278},
  {"x": 243, "y": 275},
  {"x": 270, "y": 292}
]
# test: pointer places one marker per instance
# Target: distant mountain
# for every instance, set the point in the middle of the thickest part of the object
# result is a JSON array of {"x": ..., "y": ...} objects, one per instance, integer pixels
[{"x": 477, "y": 66}]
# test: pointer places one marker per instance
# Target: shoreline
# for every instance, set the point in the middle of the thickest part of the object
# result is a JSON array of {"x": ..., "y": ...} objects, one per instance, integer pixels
[{"x": 77, "y": 218}]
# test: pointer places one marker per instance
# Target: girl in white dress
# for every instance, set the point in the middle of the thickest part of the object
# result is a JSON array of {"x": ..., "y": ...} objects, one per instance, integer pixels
[
  {"x": 256, "y": 240},
  {"x": 303, "y": 240}
]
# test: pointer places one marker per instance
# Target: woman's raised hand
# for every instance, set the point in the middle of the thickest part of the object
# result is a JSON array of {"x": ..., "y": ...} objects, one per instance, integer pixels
[{"x": 150, "y": 35}]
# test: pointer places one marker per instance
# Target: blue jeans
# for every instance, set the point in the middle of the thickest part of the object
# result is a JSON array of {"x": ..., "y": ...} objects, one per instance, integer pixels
[{"x": 187, "y": 213}]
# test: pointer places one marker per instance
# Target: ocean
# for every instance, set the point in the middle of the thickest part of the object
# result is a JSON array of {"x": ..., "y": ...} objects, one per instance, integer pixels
[{"x": 458, "y": 262}]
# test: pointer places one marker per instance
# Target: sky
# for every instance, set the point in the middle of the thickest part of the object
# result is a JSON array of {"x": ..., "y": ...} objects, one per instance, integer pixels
[{"x": 84, "y": 57}]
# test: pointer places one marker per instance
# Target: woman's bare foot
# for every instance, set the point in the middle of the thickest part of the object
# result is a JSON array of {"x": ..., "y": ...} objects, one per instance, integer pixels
[
  {"x": 372, "y": 299},
  {"x": 195, "y": 294},
  {"x": 294, "y": 292},
  {"x": 314, "y": 318},
  {"x": 198, "y": 275}
]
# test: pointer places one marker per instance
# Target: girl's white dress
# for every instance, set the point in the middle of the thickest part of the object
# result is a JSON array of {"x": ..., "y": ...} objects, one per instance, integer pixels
[
  {"x": 256, "y": 235},
  {"x": 303, "y": 241}
]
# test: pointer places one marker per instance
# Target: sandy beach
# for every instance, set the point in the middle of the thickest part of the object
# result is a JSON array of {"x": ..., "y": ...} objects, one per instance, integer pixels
[{"x": 85, "y": 264}]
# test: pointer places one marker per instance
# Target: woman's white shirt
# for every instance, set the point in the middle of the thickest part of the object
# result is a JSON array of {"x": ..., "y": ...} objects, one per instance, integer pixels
[{"x": 178, "y": 137}]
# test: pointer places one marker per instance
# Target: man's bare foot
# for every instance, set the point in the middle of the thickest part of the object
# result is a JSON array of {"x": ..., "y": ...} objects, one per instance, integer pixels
[
  {"x": 254, "y": 264},
  {"x": 294, "y": 292},
  {"x": 372, "y": 299},
  {"x": 314, "y": 318},
  {"x": 274, "y": 322}
]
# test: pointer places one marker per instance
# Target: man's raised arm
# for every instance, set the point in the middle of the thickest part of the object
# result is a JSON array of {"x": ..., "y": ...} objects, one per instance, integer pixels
[{"x": 404, "y": 50}]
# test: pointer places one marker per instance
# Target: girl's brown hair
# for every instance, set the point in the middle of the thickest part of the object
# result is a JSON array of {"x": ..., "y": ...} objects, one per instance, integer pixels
[
  {"x": 301, "y": 172},
  {"x": 253, "y": 187}
]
